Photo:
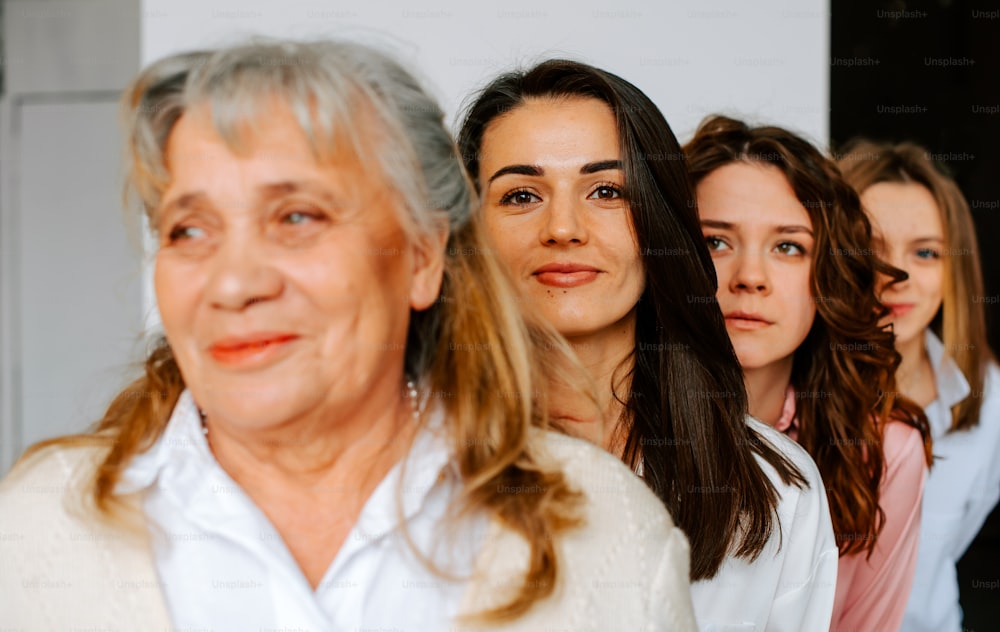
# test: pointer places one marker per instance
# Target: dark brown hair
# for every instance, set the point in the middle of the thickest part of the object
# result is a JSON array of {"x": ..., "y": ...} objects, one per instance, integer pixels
[
  {"x": 684, "y": 413},
  {"x": 846, "y": 356},
  {"x": 961, "y": 322}
]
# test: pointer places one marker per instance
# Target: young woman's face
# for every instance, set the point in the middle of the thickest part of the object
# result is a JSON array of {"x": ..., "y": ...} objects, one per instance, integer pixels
[
  {"x": 909, "y": 234},
  {"x": 551, "y": 179},
  {"x": 761, "y": 241}
]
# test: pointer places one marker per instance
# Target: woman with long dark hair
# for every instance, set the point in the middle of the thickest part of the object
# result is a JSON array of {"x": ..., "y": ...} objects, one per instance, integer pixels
[
  {"x": 797, "y": 287},
  {"x": 585, "y": 194},
  {"x": 923, "y": 226}
]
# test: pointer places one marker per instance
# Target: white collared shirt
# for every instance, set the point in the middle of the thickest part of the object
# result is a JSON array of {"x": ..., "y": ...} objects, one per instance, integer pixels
[
  {"x": 223, "y": 566},
  {"x": 961, "y": 489},
  {"x": 791, "y": 585}
]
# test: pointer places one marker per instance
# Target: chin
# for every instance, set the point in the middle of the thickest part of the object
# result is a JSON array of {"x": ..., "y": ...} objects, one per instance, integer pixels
[
  {"x": 753, "y": 358},
  {"x": 252, "y": 405}
]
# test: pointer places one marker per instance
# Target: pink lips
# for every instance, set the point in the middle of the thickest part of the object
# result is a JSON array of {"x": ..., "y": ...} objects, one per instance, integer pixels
[
  {"x": 900, "y": 309},
  {"x": 746, "y": 321},
  {"x": 565, "y": 275},
  {"x": 251, "y": 350}
]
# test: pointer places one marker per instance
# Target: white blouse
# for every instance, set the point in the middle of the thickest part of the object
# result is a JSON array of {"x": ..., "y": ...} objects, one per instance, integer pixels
[
  {"x": 223, "y": 566},
  {"x": 961, "y": 489},
  {"x": 791, "y": 585}
]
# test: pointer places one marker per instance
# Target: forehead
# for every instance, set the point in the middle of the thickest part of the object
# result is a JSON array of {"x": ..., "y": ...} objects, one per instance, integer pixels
[
  {"x": 903, "y": 210},
  {"x": 269, "y": 129},
  {"x": 552, "y": 131},
  {"x": 750, "y": 195}
]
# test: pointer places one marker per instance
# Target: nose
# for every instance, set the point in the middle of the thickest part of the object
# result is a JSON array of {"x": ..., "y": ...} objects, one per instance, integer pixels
[
  {"x": 242, "y": 274},
  {"x": 564, "y": 222},
  {"x": 750, "y": 273},
  {"x": 894, "y": 257}
]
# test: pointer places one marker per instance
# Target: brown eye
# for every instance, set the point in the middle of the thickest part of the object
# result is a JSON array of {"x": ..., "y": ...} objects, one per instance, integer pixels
[
  {"x": 606, "y": 192},
  {"x": 519, "y": 198},
  {"x": 714, "y": 243},
  {"x": 790, "y": 248}
]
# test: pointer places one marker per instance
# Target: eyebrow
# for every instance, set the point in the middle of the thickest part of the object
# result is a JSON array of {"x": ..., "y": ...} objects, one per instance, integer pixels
[
  {"x": 781, "y": 229},
  {"x": 535, "y": 170}
]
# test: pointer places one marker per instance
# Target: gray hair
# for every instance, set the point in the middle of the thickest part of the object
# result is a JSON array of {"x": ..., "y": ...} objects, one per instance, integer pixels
[{"x": 329, "y": 86}]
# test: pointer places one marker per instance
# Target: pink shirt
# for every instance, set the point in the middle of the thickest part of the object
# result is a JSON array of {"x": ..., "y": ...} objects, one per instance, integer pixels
[{"x": 872, "y": 593}]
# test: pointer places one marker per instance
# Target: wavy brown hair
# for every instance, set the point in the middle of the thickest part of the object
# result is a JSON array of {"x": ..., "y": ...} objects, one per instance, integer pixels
[
  {"x": 493, "y": 404},
  {"x": 844, "y": 371},
  {"x": 684, "y": 401},
  {"x": 961, "y": 321}
]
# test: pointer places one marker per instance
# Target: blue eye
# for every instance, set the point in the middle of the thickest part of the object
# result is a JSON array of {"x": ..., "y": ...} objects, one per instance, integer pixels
[
  {"x": 928, "y": 253},
  {"x": 298, "y": 217},
  {"x": 520, "y": 197}
]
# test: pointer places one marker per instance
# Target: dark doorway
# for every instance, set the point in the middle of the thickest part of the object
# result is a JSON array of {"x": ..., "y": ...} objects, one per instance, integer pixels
[{"x": 930, "y": 72}]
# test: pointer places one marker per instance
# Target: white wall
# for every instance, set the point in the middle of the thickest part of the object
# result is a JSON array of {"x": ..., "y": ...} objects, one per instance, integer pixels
[
  {"x": 70, "y": 290},
  {"x": 766, "y": 59}
]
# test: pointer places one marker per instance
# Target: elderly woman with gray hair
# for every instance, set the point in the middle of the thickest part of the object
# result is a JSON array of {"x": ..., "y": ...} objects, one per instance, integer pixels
[{"x": 341, "y": 428}]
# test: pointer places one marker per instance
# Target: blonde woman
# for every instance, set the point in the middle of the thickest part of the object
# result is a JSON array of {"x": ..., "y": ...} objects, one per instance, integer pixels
[
  {"x": 923, "y": 226},
  {"x": 311, "y": 447}
]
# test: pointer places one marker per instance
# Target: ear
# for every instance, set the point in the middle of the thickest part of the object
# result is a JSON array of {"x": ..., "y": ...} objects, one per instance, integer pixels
[{"x": 428, "y": 267}]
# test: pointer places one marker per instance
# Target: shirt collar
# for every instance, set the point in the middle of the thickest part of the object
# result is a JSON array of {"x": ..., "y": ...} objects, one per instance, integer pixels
[
  {"x": 952, "y": 387},
  {"x": 183, "y": 441},
  {"x": 181, "y": 462}
]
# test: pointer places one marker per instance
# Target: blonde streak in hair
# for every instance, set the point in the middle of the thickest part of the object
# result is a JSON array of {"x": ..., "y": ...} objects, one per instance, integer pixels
[
  {"x": 963, "y": 325},
  {"x": 503, "y": 355}
]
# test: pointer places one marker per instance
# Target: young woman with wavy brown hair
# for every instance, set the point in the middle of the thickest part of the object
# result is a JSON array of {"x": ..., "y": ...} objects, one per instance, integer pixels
[
  {"x": 343, "y": 426},
  {"x": 797, "y": 287},
  {"x": 587, "y": 201},
  {"x": 923, "y": 226}
]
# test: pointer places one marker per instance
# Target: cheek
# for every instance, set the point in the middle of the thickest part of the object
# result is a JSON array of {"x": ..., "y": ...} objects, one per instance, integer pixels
[
  {"x": 930, "y": 282},
  {"x": 176, "y": 290},
  {"x": 723, "y": 275},
  {"x": 511, "y": 250},
  {"x": 800, "y": 300}
]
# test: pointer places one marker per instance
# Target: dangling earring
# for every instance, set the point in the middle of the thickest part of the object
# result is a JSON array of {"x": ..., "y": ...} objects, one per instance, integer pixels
[{"x": 413, "y": 396}]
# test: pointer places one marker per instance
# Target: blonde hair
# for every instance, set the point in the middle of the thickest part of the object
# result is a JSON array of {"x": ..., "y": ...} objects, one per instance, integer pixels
[
  {"x": 492, "y": 405},
  {"x": 960, "y": 323}
]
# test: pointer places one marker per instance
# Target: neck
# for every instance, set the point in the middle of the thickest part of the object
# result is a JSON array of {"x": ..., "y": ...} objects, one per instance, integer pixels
[
  {"x": 607, "y": 356},
  {"x": 913, "y": 352},
  {"x": 313, "y": 454},
  {"x": 766, "y": 387},
  {"x": 914, "y": 361}
]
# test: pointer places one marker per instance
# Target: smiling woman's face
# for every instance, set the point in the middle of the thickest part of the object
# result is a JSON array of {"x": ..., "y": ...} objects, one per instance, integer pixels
[
  {"x": 909, "y": 234},
  {"x": 284, "y": 284},
  {"x": 552, "y": 182}
]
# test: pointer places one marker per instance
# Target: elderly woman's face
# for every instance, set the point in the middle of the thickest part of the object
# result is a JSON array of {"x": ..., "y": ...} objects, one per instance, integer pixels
[{"x": 284, "y": 284}]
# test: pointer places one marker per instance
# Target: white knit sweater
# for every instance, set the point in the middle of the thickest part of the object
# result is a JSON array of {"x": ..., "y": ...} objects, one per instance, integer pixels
[{"x": 61, "y": 568}]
